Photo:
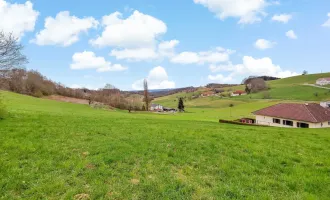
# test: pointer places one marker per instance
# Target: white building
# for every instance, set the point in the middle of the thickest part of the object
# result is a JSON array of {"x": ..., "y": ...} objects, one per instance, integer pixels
[
  {"x": 323, "y": 81},
  {"x": 293, "y": 115},
  {"x": 238, "y": 93},
  {"x": 156, "y": 107}
]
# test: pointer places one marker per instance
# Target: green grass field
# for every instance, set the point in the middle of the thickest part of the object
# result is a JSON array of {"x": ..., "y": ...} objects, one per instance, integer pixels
[{"x": 56, "y": 150}]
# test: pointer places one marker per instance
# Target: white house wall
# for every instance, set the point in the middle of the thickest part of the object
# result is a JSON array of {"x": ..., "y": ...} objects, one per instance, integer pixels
[{"x": 268, "y": 121}]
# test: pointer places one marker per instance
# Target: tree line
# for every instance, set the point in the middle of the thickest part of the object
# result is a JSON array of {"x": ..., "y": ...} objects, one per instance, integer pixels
[{"x": 14, "y": 77}]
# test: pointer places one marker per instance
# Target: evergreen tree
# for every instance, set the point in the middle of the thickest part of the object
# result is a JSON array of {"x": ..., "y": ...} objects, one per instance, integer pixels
[{"x": 181, "y": 105}]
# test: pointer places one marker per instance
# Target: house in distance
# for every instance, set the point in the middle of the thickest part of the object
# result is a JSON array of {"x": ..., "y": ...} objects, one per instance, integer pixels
[
  {"x": 294, "y": 115},
  {"x": 160, "y": 108},
  {"x": 323, "y": 81},
  {"x": 238, "y": 93},
  {"x": 156, "y": 107}
]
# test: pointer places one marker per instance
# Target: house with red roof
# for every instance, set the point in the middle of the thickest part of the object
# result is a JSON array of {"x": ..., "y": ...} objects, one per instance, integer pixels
[
  {"x": 238, "y": 93},
  {"x": 294, "y": 115},
  {"x": 323, "y": 81}
]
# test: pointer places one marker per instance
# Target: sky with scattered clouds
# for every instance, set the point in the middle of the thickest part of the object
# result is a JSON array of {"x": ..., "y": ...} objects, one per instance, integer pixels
[{"x": 171, "y": 43}]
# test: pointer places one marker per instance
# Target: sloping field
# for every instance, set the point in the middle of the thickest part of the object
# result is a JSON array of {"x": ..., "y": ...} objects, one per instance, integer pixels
[
  {"x": 57, "y": 150},
  {"x": 292, "y": 89}
]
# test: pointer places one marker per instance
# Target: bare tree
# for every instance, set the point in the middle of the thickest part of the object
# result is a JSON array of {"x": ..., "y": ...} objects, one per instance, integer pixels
[
  {"x": 256, "y": 85},
  {"x": 146, "y": 94},
  {"x": 10, "y": 54}
]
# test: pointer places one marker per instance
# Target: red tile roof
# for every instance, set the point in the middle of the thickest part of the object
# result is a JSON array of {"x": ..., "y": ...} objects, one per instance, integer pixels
[
  {"x": 239, "y": 92},
  {"x": 311, "y": 112}
]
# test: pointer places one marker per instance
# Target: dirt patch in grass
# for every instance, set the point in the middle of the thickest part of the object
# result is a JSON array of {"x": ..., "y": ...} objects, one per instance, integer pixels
[
  {"x": 67, "y": 99},
  {"x": 135, "y": 181},
  {"x": 81, "y": 197}
]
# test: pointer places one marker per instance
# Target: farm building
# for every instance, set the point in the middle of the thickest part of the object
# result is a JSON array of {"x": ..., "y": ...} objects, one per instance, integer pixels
[
  {"x": 294, "y": 115},
  {"x": 323, "y": 81},
  {"x": 207, "y": 94},
  {"x": 156, "y": 107},
  {"x": 238, "y": 93}
]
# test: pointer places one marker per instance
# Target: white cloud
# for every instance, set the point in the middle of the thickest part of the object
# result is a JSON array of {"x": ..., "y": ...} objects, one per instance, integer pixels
[
  {"x": 17, "y": 18},
  {"x": 264, "y": 44},
  {"x": 248, "y": 11},
  {"x": 327, "y": 23},
  {"x": 226, "y": 67},
  {"x": 64, "y": 29},
  {"x": 291, "y": 34},
  {"x": 157, "y": 79},
  {"x": 164, "y": 49},
  {"x": 219, "y": 78},
  {"x": 137, "y": 54},
  {"x": 260, "y": 67},
  {"x": 138, "y": 30},
  {"x": 214, "y": 56},
  {"x": 250, "y": 67},
  {"x": 284, "y": 18},
  {"x": 88, "y": 60}
]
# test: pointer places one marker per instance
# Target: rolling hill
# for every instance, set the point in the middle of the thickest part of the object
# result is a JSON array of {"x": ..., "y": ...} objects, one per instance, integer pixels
[
  {"x": 288, "y": 89},
  {"x": 59, "y": 150}
]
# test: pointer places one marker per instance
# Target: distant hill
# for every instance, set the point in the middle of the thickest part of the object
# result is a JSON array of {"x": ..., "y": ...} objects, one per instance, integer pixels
[
  {"x": 292, "y": 88},
  {"x": 163, "y": 92},
  {"x": 217, "y": 85},
  {"x": 265, "y": 78}
]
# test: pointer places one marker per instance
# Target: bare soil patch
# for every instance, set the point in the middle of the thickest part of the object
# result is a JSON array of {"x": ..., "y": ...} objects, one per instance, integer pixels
[{"x": 67, "y": 99}]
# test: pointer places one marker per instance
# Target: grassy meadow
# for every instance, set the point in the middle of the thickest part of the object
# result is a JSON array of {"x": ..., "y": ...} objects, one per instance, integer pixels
[{"x": 57, "y": 150}]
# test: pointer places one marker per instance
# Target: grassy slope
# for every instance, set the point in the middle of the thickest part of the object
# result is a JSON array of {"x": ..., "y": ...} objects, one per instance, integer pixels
[
  {"x": 283, "y": 89},
  {"x": 56, "y": 150},
  {"x": 293, "y": 89}
]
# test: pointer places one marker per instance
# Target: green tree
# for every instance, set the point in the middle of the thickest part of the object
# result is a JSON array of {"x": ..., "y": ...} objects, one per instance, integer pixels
[{"x": 181, "y": 105}]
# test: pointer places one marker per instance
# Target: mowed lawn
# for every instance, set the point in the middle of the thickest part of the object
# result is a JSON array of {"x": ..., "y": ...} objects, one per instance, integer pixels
[{"x": 55, "y": 150}]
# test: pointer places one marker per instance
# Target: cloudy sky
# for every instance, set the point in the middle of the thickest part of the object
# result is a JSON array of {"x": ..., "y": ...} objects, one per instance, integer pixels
[{"x": 173, "y": 43}]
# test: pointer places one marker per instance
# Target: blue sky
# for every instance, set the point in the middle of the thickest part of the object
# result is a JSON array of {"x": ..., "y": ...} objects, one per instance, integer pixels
[{"x": 171, "y": 43}]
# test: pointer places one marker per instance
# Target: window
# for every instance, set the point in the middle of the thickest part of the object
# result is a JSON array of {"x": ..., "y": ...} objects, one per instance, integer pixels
[
  {"x": 302, "y": 125},
  {"x": 287, "y": 123},
  {"x": 276, "y": 121},
  {"x": 328, "y": 122}
]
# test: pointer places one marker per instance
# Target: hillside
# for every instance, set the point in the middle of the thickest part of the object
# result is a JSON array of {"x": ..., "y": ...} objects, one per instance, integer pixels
[
  {"x": 290, "y": 89},
  {"x": 58, "y": 150},
  {"x": 293, "y": 88}
]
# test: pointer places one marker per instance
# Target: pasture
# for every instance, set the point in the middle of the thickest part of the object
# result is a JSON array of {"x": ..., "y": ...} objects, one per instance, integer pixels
[{"x": 57, "y": 150}]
